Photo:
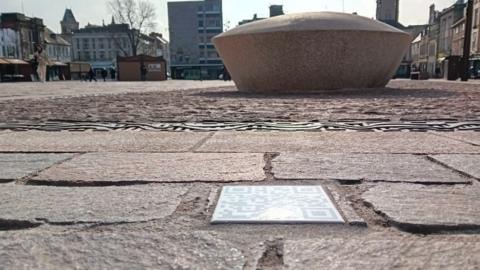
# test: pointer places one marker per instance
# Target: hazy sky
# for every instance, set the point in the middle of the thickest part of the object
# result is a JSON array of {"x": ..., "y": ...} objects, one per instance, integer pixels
[{"x": 94, "y": 11}]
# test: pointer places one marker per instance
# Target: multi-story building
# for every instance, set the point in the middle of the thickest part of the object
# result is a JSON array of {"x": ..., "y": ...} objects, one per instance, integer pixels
[
  {"x": 57, "y": 48},
  {"x": 458, "y": 37},
  {"x": 100, "y": 45},
  {"x": 447, "y": 18},
  {"x": 30, "y": 32},
  {"x": 192, "y": 26},
  {"x": 476, "y": 39},
  {"x": 388, "y": 11}
]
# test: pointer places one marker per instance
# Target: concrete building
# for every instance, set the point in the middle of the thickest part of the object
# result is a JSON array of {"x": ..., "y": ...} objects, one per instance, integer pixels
[
  {"x": 388, "y": 10},
  {"x": 192, "y": 26}
]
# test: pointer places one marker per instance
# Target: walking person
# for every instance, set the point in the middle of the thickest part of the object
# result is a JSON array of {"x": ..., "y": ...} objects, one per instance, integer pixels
[
  {"x": 41, "y": 61},
  {"x": 92, "y": 75},
  {"x": 143, "y": 72},
  {"x": 104, "y": 74}
]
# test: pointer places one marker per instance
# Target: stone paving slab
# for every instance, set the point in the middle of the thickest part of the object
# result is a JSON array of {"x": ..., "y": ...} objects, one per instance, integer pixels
[
  {"x": 124, "y": 141},
  {"x": 424, "y": 209},
  {"x": 16, "y": 166},
  {"x": 369, "y": 167},
  {"x": 64, "y": 205},
  {"x": 468, "y": 164},
  {"x": 334, "y": 142},
  {"x": 470, "y": 137},
  {"x": 112, "y": 250},
  {"x": 156, "y": 167},
  {"x": 381, "y": 253}
]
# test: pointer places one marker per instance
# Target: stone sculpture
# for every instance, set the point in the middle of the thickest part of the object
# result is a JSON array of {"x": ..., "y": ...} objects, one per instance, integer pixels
[{"x": 312, "y": 52}]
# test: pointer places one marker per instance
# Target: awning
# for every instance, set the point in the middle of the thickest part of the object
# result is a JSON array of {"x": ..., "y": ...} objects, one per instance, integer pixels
[
  {"x": 3, "y": 62},
  {"x": 57, "y": 64},
  {"x": 441, "y": 59},
  {"x": 17, "y": 62}
]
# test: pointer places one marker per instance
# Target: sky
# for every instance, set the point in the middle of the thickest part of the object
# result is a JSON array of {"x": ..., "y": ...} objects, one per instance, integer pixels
[{"x": 94, "y": 11}]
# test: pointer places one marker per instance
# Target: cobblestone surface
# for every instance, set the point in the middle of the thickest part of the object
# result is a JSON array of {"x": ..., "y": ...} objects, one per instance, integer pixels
[{"x": 402, "y": 100}]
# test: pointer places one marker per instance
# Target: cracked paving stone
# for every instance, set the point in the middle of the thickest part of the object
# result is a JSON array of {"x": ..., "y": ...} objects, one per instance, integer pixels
[
  {"x": 385, "y": 253},
  {"x": 113, "y": 141},
  {"x": 370, "y": 167},
  {"x": 426, "y": 209},
  {"x": 66, "y": 205},
  {"x": 468, "y": 164},
  {"x": 16, "y": 166},
  {"x": 156, "y": 167},
  {"x": 111, "y": 250}
]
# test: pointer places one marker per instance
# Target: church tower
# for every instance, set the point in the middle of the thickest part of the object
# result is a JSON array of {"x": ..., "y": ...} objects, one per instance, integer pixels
[
  {"x": 69, "y": 24},
  {"x": 388, "y": 10}
]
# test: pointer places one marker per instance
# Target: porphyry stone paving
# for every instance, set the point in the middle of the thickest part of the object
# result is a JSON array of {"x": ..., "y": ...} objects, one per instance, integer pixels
[
  {"x": 469, "y": 137},
  {"x": 113, "y": 250},
  {"x": 126, "y": 141},
  {"x": 334, "y": 142},
  {"x": 382, "y": 253},
  {"x": 390, "y": 168},
  {"x": 70, "y": 205},
  {"x": 425, "y": 209},
  {"x": 16, "y": 166},
  {"x": 157, "y": 167},
  {"x": 401, "y": 100},
  {"x": 468, "y": 164}
]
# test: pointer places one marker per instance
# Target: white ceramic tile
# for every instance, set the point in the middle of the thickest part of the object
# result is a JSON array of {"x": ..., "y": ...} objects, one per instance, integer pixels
[{"x": 275, "y": 204}]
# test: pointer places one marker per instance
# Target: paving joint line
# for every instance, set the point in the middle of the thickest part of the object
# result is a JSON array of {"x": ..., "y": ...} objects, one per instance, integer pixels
[
  {"x": 24, "y": 180},
  {"x": 462, "y": 173},
  {"x": 200, "y": 143},
  {"x": 455, "y": 139}
]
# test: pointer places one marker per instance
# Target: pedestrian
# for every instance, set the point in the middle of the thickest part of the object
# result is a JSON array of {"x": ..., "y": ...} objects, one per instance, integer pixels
[
  {"x": 41, "y": 61},
  {"x": 104, "y": 74},
  {"x": 92, "y": 75},
  {"x": 143, "y": 72},
  {"x": 113, "y": 74}
]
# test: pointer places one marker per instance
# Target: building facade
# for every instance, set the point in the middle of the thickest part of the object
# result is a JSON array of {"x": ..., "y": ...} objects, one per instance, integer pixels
[
  {"x": 192, "y": 26},
  {"x": 100, "y": 45},
  {"x": 9, "y": 43},
  {"x": 30, "y": 32},
  {"x": 57, "y": 48},
  {"x": 458, "y": 37},
  {"x": 447, "y": 18}
]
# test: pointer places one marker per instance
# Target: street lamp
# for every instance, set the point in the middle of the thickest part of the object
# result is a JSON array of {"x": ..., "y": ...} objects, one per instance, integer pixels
[{"x": 467, "y": 41}]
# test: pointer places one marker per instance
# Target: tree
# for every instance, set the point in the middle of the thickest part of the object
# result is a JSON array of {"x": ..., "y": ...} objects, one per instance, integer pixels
[{"x": 138, "y": 14}]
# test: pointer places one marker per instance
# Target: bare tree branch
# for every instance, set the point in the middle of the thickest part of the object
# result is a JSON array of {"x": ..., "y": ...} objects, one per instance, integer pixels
[{"x": 138, "y": 14}]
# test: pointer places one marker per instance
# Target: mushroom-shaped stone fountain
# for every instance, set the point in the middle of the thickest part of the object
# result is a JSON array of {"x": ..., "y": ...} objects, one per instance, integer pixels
[{"x": 308, "y": 52}]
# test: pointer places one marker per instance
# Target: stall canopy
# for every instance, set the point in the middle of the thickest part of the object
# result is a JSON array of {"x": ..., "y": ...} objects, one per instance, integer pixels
[
  {"x": 3, "y": 62},
  {"x": 16, "y": 62}
]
